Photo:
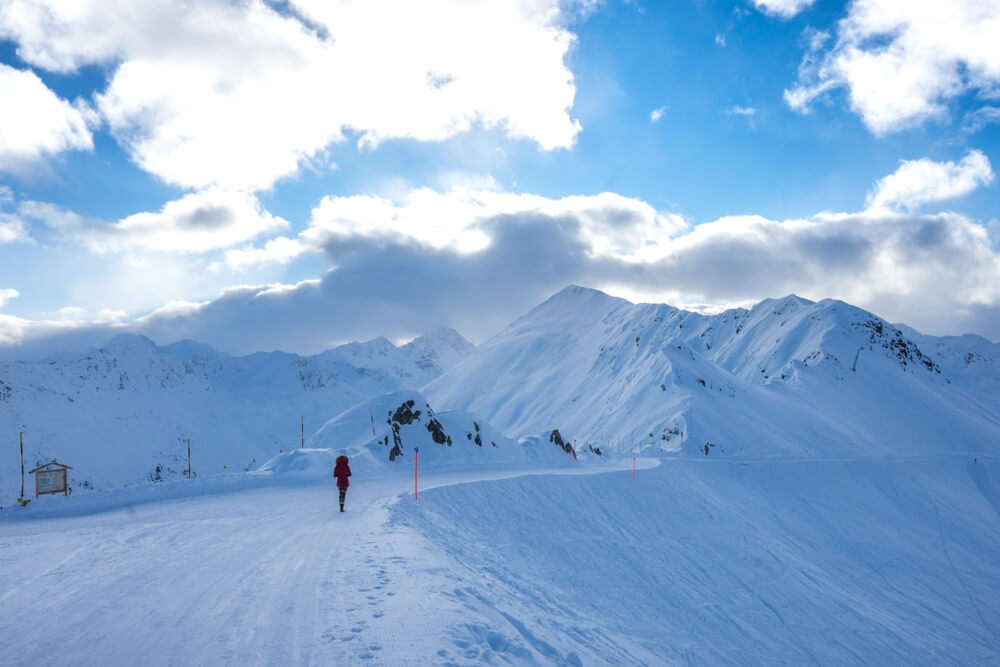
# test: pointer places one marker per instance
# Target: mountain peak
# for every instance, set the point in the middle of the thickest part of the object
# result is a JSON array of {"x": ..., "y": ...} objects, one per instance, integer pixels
[
  {"x": 126, "y": 342},
  {"x": 188, "y": 348}
]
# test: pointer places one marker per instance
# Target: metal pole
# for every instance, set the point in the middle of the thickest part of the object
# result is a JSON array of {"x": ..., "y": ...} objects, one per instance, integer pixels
[
  {"x": 372, "y": 417},
  {"x": 189, "y": 458},
  {"x": 20, "y": 440},
  {"x": 303, "y": 433},
  {"x": 416, "y": 459}
]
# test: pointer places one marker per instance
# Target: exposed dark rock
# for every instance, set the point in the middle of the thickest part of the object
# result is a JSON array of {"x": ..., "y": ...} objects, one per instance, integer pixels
[
  {"x": 437, "y": 432},
  {"x": 556, "y": 437},
  {"x": 397, "y": 443},
  {"x": 902, "y": 349},
  {"x": 405, "y": 414}
]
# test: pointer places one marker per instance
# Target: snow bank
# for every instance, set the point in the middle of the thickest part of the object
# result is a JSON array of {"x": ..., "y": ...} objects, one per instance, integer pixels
[{"x": 717, "y": 563}]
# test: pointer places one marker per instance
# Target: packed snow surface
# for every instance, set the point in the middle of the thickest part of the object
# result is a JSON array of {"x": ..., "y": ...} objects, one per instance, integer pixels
[{"x": 692, "y": 561}]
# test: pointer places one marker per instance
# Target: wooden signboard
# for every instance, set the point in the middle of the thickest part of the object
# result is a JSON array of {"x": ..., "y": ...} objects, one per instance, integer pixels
[{"x": 51, "y": 478}]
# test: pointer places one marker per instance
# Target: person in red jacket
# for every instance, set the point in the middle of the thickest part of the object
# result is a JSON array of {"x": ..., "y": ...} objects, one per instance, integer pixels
[{"x": 342, "y": 471}]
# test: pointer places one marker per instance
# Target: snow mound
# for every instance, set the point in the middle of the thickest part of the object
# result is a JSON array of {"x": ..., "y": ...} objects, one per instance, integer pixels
[{"x": 301, "y": 462}]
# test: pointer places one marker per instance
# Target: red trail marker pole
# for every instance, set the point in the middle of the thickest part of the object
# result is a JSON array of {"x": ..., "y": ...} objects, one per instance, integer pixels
[{"x": 416, "y": 463}]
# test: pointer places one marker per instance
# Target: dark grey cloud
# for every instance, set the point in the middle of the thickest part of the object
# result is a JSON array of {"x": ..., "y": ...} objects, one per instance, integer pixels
[{"x": 936, "y": 273}]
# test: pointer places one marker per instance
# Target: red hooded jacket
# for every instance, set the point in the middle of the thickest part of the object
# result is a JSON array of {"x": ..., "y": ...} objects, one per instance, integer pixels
[{"x": 342, "y": 471}]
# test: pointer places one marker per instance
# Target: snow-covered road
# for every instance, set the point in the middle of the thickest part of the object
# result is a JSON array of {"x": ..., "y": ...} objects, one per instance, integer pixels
[
  {"x": 271, "y": 576},
  {"x": 700, "y": 561}
]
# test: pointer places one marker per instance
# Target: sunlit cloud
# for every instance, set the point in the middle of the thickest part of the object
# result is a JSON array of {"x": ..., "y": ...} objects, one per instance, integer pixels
[
  {"x": 6, "y": 295},
  {"x": 465, "y": 220},
  {"x": 239, "y": 95},
  {"x": 195, "y": 223},
  {"x": 901, "y": 61},
  {"x": 35, "y": 123},
  {"x": 918, "y": 182},
  {"x": 402, "y": 266}
]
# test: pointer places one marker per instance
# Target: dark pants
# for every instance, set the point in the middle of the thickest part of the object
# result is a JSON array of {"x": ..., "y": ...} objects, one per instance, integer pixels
[{"x": 343, "y": 493}]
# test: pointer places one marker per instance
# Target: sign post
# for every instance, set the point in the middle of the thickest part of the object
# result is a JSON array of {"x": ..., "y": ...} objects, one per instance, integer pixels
[{"x": 20, "y": 441}]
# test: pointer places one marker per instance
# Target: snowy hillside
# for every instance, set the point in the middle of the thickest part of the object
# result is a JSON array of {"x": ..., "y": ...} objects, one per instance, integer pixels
[
  {"x": 122, "y": 414},
  {"x": 789, "y": 377}
]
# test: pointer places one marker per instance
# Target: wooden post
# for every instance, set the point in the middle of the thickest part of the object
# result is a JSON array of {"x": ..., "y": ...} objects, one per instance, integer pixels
[
  {"x": 189, "y": 458},
  {"x": 303, "y": 433},
  {"x": 20, "y": 440}
]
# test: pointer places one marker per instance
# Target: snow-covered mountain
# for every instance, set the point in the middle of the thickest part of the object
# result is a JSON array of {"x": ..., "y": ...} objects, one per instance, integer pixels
[
  {"x": 123, "y": 413},
  {"x": 787, "y": 377},
  {"x": 882, "y": 549}
]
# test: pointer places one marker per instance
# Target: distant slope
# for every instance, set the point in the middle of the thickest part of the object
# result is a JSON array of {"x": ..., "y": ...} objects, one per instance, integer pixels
[
  {"x": 789, "y": 376},
  {"x": 123, "y": 413}
]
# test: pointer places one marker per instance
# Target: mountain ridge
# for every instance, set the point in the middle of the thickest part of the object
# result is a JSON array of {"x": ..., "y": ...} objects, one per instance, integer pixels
[
  {"x": 140, "y": 403},
  {"x": 608, "y": 371}
]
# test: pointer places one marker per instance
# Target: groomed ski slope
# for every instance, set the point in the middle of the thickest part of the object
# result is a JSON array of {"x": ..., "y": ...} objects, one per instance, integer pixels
[{"x": 695, "y": 561}]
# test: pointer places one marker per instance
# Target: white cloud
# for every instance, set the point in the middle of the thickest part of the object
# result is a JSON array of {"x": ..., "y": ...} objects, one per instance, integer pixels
[
  {"x": 465, "y": 220},
  {"x": 737, "y": 110},
  {"x": 401, "y": 266},
  {"x": 903, "y": 60},
  {"x": 76, "y": 314},
  {"x": 6, "y": 294},
  {"x": 238, "y": 95},
  {"x": 918, "y": 182},
  {"x": 195, "y": 223},
  {"x": 975, "y": 121},
  {"x": 656, "y": 114},
  {"x": 935, "y": 272},
  {"x": 35, "y": 123},
  {"x": 720, "y": 39},
  {"x": 12, "y": 229},
  {"x": 782, "y": 8}
]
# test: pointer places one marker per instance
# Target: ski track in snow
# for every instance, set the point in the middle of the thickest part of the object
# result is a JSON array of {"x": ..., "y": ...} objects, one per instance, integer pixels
[{"x": 698, "y": 561}]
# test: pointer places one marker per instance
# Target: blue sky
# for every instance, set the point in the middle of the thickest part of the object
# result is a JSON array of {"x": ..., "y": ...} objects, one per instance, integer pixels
[{"x": 219, "y": 170}]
